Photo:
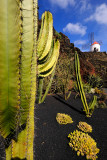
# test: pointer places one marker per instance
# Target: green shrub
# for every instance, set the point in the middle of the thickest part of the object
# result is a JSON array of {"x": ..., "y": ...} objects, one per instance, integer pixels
[
  {"x": 95, "y": 81},
  {"x": 58, "y": 35}
]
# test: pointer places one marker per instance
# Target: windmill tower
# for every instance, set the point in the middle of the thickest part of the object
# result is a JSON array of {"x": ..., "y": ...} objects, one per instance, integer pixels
[{"x": 93, "y": 45}]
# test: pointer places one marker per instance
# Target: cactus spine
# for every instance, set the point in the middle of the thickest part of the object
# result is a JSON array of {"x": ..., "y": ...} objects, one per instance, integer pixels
[{"x": 18, "y": 71}]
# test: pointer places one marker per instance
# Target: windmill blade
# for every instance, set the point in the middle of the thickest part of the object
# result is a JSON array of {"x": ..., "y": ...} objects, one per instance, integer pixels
[
  {"x": 85, "y": 46},
  {"x": 91, "y": 38},
  {"x": 100, "y": 42}
]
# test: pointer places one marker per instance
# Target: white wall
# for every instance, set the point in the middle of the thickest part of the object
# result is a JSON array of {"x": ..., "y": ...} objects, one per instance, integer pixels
[{"x": 97, "y": 46}]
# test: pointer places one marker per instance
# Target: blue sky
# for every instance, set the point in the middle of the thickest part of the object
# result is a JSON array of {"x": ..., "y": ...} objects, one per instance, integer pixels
[{"x": 78, "y": 18}]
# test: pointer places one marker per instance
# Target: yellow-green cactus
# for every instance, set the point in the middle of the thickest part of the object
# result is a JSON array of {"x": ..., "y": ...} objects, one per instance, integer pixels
[
  {"x": 88, "y": 109},
  {"x": 83, "y": 144},
  {"x": 19, "y": 53},
  {"x": 48, "y": 53},
  {"x": 84, "y": 127},
  {"x": 63, "y": 118}
]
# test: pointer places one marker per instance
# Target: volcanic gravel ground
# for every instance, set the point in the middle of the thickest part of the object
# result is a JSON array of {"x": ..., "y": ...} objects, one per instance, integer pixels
[{"x": 51, "y": 142}]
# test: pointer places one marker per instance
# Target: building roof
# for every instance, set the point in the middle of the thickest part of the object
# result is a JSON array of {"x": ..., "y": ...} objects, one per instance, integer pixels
[{"x": 95, "y": 43}]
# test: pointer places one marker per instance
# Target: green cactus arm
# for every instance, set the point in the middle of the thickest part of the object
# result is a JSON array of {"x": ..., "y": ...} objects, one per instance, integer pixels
[
  {"x": 80, "y": 85},
  {"x": 48, "y": 65},
  {"x": 26, "y": 57},
  {"x": 48, "y": 72},
  {"x": 41, "y": 29},
  {"x": 78, "y": 80},
  {"x": 49, "y": 37},
  {"x": 30, "y": 118},
  {"x": 43, "y": 35},
  {"x": 40, "y": 88},
  {"x": 93, "y": 103},
  {"x": 23, "y": 148},
  {"x": 67, "y": 96},
  {"x": 82, "y": 90},
  {"x": 48, "y": 87},
  {"x": 47, "y": 57},
  {"x": 9, "y": 69}
]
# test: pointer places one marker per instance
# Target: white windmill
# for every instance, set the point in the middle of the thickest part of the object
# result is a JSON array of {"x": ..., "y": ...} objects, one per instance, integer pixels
[{"x": 93, "y": 45}]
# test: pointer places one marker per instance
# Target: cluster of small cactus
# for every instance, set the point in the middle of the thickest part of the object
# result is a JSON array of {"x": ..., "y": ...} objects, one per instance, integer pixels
[
  {"x": 83, "y": 144},
  {"x": 63, "y": 118},
  {"x": 84, "y": 127}
]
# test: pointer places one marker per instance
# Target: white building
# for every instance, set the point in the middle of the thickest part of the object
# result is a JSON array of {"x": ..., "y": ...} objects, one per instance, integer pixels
[{"x": 95, "y": 47}]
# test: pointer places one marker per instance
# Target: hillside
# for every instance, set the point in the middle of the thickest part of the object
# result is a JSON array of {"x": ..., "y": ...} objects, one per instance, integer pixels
[
  {"x": 97, "y": 59},
  {"x": 88, "y": 60}
]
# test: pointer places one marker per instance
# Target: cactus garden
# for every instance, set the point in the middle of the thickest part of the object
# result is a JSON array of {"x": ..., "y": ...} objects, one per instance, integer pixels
[{"x": 53, "y": 97}]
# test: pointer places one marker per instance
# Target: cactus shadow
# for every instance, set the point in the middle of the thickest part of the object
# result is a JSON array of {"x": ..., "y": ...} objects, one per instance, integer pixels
[{"x": 60, "y": 98}]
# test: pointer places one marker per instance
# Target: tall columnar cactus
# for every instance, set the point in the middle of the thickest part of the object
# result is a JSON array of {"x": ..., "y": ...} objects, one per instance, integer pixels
[
  {"x": 80, "y": 85},
  {"x": 18, "y": 72},
  {"x": 87, "y": 109},
  {"x": 47, "y": 52}
]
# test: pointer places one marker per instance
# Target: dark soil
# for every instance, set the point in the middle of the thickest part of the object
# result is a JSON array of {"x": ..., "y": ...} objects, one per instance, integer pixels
[{"x": 51, "y": 142}]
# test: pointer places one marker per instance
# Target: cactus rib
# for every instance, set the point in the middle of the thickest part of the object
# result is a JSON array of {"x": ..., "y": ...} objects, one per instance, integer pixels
[
  {"x": 80, "y": 85},
  {"x": 49, "y": 38},
  {"x": 48, "y": 65},
  {"x": 43, "y": 36}
]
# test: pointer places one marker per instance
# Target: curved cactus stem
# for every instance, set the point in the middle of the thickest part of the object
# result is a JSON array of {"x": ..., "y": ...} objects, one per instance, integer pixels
[
  {"x": 92, "y": 104},
  {"x": 49, "y": 37},
  {"x": 67, "y": 96},
  {"x": 49, "y": 64},
  {"x": 45, "y": 36}
]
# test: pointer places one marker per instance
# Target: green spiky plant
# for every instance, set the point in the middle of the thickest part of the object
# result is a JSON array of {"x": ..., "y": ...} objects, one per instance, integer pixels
[
  {"x": 19, "y": 52},
  {"x": 48, "y": 67},
  {"x": 87, "y": 109},
  {"x": 48, "y": 52}
]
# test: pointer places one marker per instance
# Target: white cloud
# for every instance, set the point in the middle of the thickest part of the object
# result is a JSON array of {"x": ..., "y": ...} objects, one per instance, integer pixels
[
  {"x": 100, "y": 15},
  {"x": 75, "y": 29},
  {"x": 85, "y": 5},
  {"x": 80, "y": 42},
  {"x": 63, "y": 3}
]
